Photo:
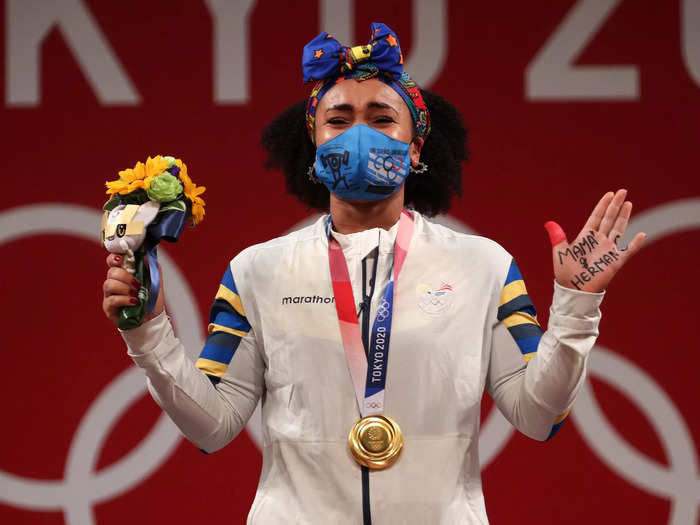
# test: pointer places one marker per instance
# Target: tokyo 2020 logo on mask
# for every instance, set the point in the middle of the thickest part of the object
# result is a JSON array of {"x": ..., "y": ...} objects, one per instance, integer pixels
[{"x": 83, "y": 486}]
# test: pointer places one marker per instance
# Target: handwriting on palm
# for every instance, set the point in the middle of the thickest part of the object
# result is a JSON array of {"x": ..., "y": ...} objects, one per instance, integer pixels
[{"x": 590, "y": 261}]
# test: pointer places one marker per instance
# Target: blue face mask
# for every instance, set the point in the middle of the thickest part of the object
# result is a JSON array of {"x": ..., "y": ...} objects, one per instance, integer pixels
[{"x": 362, "y": 163}]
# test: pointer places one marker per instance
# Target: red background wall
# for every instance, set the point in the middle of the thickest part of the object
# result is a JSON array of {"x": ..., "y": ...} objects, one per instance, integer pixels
[{"x": 532, "y": 160}]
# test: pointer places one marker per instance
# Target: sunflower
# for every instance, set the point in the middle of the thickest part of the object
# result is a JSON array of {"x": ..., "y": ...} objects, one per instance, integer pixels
[
  {"x": 138, "y": 177},
  {"x": 154, "y": 167},
  {"x": 192, "y": 192}
]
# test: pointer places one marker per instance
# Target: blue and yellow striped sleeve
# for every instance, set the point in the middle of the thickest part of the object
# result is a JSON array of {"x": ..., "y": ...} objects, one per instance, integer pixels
[
  {"x": 518, "y": 314},
  {"x": 227, "y": 326}
]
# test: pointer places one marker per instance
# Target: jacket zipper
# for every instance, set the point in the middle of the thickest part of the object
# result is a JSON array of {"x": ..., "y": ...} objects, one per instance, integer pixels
[
  {"x": 365, "y": 311},
  {"x": 365, "y": 304}
]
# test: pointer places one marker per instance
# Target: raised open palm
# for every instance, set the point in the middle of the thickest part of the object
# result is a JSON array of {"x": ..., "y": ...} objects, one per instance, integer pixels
[{"x": 594, "y": 257}]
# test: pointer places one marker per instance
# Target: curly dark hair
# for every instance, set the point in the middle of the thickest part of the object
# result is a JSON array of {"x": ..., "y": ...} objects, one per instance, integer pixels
[{"x": 290, "y": 150}]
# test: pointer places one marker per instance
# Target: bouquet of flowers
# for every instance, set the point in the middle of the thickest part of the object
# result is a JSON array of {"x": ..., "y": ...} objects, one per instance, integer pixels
[{"x": 151, "y": 202}]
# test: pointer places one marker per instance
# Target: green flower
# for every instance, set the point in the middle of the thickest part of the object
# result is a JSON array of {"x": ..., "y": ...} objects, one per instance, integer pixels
[{"x": 164, "y": 188}]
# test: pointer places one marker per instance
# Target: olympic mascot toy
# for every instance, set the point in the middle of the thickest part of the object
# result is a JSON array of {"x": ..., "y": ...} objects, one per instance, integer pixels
[{"x": 151, "y": 202}]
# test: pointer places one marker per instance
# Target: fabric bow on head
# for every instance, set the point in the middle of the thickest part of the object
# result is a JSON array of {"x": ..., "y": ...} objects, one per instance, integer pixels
[
  {"x": 325, "y": 57},
  {"x": 327, "y": 62}
]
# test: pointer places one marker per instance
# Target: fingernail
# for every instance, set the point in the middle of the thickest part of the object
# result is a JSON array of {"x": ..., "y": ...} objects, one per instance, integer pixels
[
  {"x": 556, "y": 234},
  {"x": 134, "y": 292},
  {"x": 117, "y": 258},
  {"x": 135, "y": 283},
  {"x": 134, "y": 300}
]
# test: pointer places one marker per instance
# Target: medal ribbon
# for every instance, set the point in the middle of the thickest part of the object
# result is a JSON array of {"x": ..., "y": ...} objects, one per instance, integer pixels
[{"x": 368, "y": 379}]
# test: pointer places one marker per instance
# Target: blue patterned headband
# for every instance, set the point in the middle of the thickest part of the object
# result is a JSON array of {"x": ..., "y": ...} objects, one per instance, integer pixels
[{"x": 327, "y": 62}]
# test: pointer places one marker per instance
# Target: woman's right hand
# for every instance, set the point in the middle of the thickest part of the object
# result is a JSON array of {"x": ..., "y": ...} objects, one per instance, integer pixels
[{"x": 121, "y": 289}]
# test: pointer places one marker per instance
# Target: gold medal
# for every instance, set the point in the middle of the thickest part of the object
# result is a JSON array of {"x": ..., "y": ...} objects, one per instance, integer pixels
[{"x": 375, "y": 441}]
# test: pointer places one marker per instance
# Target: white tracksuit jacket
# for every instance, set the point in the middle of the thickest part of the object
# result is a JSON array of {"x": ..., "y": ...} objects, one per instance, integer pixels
[{"x": 462, "y": 322}]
